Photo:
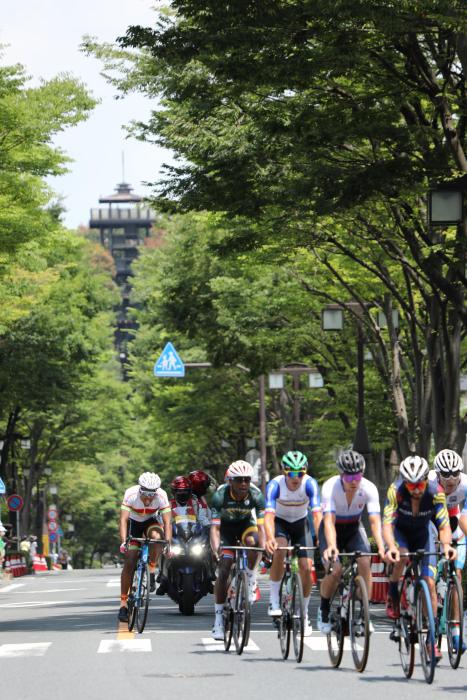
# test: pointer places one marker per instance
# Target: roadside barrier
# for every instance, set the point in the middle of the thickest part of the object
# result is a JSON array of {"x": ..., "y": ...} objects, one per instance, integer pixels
[
  {"x": 39, "y": 563},
  {"x": 380, "y": 580},
  {"x": 15, "y": 565}
]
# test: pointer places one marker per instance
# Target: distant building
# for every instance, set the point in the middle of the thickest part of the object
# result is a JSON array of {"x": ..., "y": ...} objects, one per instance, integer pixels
[{"x": 124, "y": 225}]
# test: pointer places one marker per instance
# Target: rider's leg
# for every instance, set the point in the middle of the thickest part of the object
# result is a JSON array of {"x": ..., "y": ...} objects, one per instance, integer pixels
[
  {"x": 131, "y": 557},
  {"x": 220, "y": 592},
  {"x": 275, "y": 575}
]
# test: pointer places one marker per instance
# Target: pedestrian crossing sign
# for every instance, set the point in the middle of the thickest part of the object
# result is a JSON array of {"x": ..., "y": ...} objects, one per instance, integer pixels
[{"x": 169, "y": 363}]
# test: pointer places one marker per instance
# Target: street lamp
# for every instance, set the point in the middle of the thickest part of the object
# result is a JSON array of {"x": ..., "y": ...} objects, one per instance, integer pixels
[
  {"x": 53, "y": 490},
  {"x": 446, "y": 202},
  {"x": 332, "y": 319},
  {"x": 383, "y": 321}
]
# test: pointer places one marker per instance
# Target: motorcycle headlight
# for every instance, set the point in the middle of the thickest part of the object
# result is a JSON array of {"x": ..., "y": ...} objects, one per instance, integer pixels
[
  {"x": 176, "y": 549},
  {"x": 197, "y": 549}
]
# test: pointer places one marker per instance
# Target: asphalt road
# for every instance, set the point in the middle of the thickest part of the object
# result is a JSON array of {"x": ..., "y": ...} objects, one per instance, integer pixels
[{"x": 60, "y": 638}]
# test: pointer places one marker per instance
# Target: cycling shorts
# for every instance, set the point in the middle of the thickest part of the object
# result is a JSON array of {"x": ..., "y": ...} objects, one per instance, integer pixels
[
  {"x": 297, "y": 532},
  {"x": 234, "y": 532},
  {"x": 461, "y": 544},
  {"x": 349, "y": 538},
  {"x": 137, "y": 529},
  {"x": 419, "y": 539}
]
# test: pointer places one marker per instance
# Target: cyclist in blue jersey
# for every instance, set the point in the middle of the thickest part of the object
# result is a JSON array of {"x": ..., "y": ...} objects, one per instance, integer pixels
[
  {"x": 288, "y": 498},
  {"x": 343, "y": 499},
  {"x": 411, "y": 504}
]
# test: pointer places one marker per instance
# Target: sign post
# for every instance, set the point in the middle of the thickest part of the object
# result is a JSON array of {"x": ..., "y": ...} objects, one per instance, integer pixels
[{"x": 15, "y": 503}]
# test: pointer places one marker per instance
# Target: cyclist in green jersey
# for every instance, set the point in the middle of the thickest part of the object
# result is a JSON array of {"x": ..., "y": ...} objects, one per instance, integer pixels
[{"x": 232, "y": 522}]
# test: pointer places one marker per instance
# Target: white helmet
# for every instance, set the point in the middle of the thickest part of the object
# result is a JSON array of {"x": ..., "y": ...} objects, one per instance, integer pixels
[
  {"x": 239, "y": 468},
  {"x": 414, "y": 468},
  {"x": 149, "y": 482},
  {"x": 448, "y": 463}
]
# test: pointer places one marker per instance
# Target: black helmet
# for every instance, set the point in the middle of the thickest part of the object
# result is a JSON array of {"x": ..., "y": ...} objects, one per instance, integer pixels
[{"x": 350, "y": 462}]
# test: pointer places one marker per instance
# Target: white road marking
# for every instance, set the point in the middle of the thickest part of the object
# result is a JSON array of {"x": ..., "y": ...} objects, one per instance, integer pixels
[
  {"x": 10, "y": 587},
  {"x": 321, "y": 643},
  {"x": 34, "y": 649},
  {"x": 57, "y": 590},
  {"x": 211, "y": 644},
  {"x": 113, "y": 582},
  {"x": 107, "y": 646},
  {"x": 35, "y": 604}
]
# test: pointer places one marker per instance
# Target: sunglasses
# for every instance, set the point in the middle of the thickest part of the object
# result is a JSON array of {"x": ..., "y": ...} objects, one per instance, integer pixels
[
  {"x": 147, "y": 494},
  {"x": 453, "y": 479},
  {"x": 418, "y": 485},
  {"x": 348, "y": 478},
  {"x": 242, "y": 479},
  {"x": 295, "y": 475}
]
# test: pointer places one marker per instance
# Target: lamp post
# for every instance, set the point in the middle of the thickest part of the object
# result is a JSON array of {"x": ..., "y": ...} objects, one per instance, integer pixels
[{"x": 332, "y": 319}]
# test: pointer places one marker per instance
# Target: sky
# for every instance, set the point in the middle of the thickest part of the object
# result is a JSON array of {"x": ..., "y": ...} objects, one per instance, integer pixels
[{"x": 44, "y": 36}]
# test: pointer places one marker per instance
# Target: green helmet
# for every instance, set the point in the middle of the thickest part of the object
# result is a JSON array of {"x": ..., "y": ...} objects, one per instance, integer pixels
[{"x": 294, "y": 461}]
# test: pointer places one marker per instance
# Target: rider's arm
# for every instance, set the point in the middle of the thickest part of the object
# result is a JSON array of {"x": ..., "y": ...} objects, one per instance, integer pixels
[
  {"x": 463, "y": 522},
  {"x": 375, "y": 525},
  {"x": 389, "y": 516},
  {"x": 374, "y": 516},
  {"x": 272, "y": 492},
  {"x": 124, "y": 517},
  {"x": 329, "y": 520},
  {"x": 215, "y": 538},
  {"x": 312, "y": 491},
  {"x": 167, "y": 522},
  {"x": 259, "y": 510}
]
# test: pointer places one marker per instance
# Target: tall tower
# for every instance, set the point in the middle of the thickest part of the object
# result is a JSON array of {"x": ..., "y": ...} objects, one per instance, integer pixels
[{"x": 123, "y": 225}]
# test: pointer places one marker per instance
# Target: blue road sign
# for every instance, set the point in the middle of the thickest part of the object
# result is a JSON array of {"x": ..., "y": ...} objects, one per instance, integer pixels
[
  {"x": 53, "y": 537},
  {"x": 169, "y": 363}
]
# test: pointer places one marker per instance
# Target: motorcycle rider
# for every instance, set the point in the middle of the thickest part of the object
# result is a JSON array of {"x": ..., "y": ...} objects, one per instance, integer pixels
[
  {"x": 200, "y": 482},
  {"x": 186, "y": 509}
]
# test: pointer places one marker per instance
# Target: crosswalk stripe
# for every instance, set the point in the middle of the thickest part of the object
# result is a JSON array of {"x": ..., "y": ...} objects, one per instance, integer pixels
[
  {"x": 321, "y": 643},
  {"x": 107, "y": 646},
  {"x": 33, "y": 649},
  {"x": 11, "y": 587},
  {"x": 113, "y": 582},
  {"x": 35, "y": 604},
  {"x": 217, "y": 645}
]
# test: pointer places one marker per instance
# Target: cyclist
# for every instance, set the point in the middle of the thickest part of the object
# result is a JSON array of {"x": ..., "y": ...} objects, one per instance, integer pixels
[
  {"x": 138, "y": 517},
  {"x": 288, "y": 497},
  {"x": 448, "y": 473},
  {"x": 232, "y": 522},
  {"x": 343, "y": 499},
  {"x": 412, "y": 502},
  {"x": 186, "y": 510}
]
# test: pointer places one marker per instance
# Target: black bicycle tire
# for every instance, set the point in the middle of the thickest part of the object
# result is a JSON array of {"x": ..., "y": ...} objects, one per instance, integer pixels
[
  {"x": 228, "y": 625},
  {"x": 359, "y": 585},
  {"x": 298, "y": 639},
  {"x": 423, "y": 598},
  {"x": 406, "y": 630},
  {"x": 284, "y": 620},
  {"x": 241, "y": 616},
  {"x": 131, "y": 601},
  {"x": 454, "y": 656},
  {"x": 143, "y": 596},
  {"x": 337, "y": 630}
]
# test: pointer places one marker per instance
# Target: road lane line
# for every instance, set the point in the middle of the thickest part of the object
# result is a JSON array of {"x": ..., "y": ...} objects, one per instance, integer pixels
[
  {"x": 35, "y": 604},
  {"x": 321, "y": 644},
  {"x": 107, "y": 646},
  {"x": 57, "y": 590},
  {"x": 10, "y": 587},
  {"x": 33, "y": 649},
  {"x": 211, "y": 644}
]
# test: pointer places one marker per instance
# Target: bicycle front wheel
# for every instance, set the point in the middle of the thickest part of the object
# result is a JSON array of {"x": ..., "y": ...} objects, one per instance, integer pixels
[
  {"x": 406, "y": 628},
  {"x": 228, "y": 616},
  {"x": 425, "y": 630},
  {"x": 284, "y": 620},
  {"x": 336, "y": 636},
  {"x": 454, "y": 619},
  {"x": 359, "y": 624},
  {"x": 241, "y": 625},
  {"x": 143, "y": 599},
  {"x": 298, "y": 617},
  {"x": 131, "y": 601}
]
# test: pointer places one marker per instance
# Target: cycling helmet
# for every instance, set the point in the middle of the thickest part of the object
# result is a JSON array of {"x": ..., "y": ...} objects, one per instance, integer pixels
[
  {"x": 448, "y": 463},
  {"x": 199, "y": 482},
  {"x": 239, "y": 468},
  {"x": 149, "y": 482},
  {"x": 414, "y": 468},
  {"x": 351, "y": 462},
  {"x": 294, "y": 461},
  {"x": 181, "y": 489}
]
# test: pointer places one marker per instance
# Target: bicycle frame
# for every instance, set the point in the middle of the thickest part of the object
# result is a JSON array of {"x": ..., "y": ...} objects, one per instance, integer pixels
[{"x": 138, "y": 599}]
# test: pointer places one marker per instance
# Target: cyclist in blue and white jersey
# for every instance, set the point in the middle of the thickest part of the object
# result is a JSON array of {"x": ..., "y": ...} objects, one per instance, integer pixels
[
  {"x": 343, "y": 499},
  {"x": 448, "y": 473},
  {"x": 288, "y": 498}
]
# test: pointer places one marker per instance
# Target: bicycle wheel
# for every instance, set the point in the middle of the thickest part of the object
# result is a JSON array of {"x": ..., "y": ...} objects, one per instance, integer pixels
[
  {"x": 284, "y": 620},
  {"x": 131, "y": 601},
  {"x": 359, "y": 623},
  {"x": 241, "y": 622},
  {"x": 297, "y": 617},
  {"x": 228, "y": 616},
  {"x": 406, "y": 631},
  {"x": 143, "y": 599},
  {"x": 454, "y": 619},
  {"x": 336, "y": 637},
  {"x": 425, "y": 630}
]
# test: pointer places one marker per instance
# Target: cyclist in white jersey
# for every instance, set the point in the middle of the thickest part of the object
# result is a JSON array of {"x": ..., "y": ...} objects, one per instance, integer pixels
[
  {"x": 343, "y": 499},
  {"x": 448, "y": 472},
  {"x": 288, "y": 497}
]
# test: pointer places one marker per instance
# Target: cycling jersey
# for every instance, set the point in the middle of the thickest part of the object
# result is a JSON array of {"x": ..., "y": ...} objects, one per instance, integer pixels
[
  {"x": 138, "y": 511},
  {"x": 457, "y": 497},
  {"x": 398, "y": 508},
  {"x": 226, "y": 509},
  {"x": 334, "y": 500},
  {"x": 292, "y": 505},
  {"x": 192, "y": 512}
]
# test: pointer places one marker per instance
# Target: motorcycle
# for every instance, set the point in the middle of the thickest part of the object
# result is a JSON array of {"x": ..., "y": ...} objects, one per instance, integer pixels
[{"x": 189, "y": 567}]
